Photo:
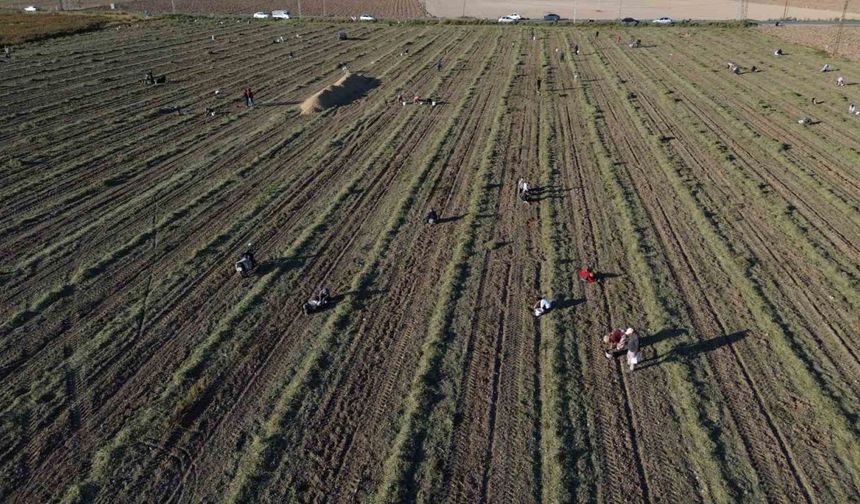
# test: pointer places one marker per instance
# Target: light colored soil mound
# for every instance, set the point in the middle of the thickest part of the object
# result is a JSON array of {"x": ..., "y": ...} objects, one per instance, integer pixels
[{"x": 346, "y": 89}]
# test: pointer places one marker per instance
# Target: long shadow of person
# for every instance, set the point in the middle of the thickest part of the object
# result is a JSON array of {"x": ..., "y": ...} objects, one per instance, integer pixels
[{"x": 691, "y": 350}]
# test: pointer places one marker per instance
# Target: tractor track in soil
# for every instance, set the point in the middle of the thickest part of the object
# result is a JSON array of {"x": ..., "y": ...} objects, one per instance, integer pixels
[
  {"x": 245, "y": 413},
  {"x": 749, "y": 409},
  {"x": 820, "y": 163},
  {"x": 820, "y": 378},
  {"x": 183, "y": 292},
  {"x": 490, "y": 434},
  {"x": 428, "y": 62},
  {"x": 513, "y": 447},
  {"x": 161, "y": 167},
  {"x": 135, "y": 366},
  {"x": 210, "y": 398},
  {"x": 622, "y": 457},
  {"x": 349, "y": 464},
  {"x": 758, "y": 236},
  {"x": 227, "y": 210},
  {"x": 640, "y": 405}
]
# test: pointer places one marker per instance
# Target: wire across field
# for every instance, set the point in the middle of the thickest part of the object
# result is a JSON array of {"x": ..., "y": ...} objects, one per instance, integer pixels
[{"x": 137, "y": 366}]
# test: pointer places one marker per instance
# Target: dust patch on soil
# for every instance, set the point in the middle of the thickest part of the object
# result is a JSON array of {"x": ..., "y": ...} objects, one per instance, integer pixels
[
  {"x": 345, "y": 90},
  {"x": 820, "y": 37},
  {"x": 18, "y": 27}
]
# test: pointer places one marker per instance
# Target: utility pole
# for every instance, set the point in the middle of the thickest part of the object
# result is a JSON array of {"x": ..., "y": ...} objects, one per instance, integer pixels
[
  {"x": 574, "y": 11},
  {"x": 619, "y": 9},
  {"x": 839, "y": 31},
  {"x": 300, "y": 8},
  {"x": 743, "y": 9},
  {"x": 464, "y": 8},
  {"x": 323, "y": 8},
  {"x": 785, "y": 11},
  {"x": 173, "y": 5}
]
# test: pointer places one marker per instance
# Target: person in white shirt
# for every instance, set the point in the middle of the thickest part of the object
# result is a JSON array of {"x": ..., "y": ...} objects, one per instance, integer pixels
[{"x": 541, "y": 306}]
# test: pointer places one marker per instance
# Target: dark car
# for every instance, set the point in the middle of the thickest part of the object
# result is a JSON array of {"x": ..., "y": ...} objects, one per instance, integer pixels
[
  {"x": 552, "y": 17},
  {"x": 629, "y": 21}
]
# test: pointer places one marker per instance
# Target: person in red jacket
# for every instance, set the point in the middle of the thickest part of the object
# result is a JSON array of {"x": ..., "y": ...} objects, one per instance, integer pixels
[{"x": 587, "y": 275}]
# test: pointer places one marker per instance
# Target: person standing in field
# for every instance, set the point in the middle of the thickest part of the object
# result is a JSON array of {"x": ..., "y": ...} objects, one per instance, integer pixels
[
  {"x": 249, "y": 97},
  {"x": 439, "y": 65},
  {"x": 634, "y": 356}
]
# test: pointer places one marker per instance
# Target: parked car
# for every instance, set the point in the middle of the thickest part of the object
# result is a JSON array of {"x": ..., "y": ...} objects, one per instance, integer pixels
[
  {"x": 280, "y": 14},
  {"x": 663, "y": 20},
  {"x": 31, "y": 8},
  {"x": 629, "y": 21},
  {"x": 551, "y": 17},
  {"x": 516, "y": 17},
  {"x": 261, "y": 15},
  {"x": 507, "y": 19},
  {"x": 366, "y": 17}
]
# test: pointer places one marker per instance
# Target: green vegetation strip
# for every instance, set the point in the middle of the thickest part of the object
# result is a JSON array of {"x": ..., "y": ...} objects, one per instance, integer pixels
[
  {"x": 188, "y": 376},
  {"x": 796, "y": 370},
  {"x": 402, "y": 463},
  {"x": 559, "y": 438},
  {"x": 339, "y": 326},
  {"x": 704, "y": 454}
]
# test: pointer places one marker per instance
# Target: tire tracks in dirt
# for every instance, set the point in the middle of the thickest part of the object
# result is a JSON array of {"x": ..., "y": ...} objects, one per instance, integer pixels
[
  {"x": 428, "y": 65},
  {"x": 749, "y": 409}
]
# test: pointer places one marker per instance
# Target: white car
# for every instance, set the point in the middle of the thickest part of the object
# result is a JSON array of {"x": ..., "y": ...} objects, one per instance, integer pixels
[
  {"x": 663, "y": 20},
  {"x": 515, "y": 17},
  {"x": 507, "y": 19},
  {"x": 366, "y": 17},
  {"x": 261, "y": 15},
  {"x": 280, "y": 14},
  {"x": 31, "y": 8}
]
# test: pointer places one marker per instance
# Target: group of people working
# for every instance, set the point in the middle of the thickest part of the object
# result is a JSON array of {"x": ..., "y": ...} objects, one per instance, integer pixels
[{"x": 620, "y": 342}]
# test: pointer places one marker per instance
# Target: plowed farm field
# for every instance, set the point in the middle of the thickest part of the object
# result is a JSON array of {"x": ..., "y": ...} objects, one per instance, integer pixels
[{"x": 137, "y": 366}]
